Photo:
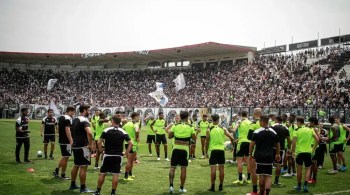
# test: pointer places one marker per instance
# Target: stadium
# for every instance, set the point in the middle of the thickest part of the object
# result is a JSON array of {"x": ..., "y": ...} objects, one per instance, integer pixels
[{"x": 128, "y": 91}]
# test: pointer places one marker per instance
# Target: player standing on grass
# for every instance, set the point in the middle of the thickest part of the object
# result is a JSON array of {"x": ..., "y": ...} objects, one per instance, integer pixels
[
  {"x": 158, "y": 127},
  {"x": 65, "y": 140},
  {"x": 243, "y": 142},
  {"x": 290, "y": 160},
  {"x": 203, "y": 126},
  {"x": 215, "y": 140},
  {"x": 101, "y": 124},
  {"x": 132, "y": 128},
  {"x": 303, "y": 139},
  {"x": 113, "y": 139},
  {"x": 194, "y": 124},
  {"x": 264, "y": 141},
  {"x": 313, "y": 122},
  {"x": 94, "y": 120},
  {"x": 182, "y": 133},
  {"x": 22, "y": 136},
  {"x": 82, "y": 145},
  {"x": 283, "y": 136},
  {"x": 342, "y": 141},
  {"x": 254, "y": 126},
  {"x": 151, "y": 136},
  {"x": 48, "y": 131},
  {"x": 334, "y": 146}
]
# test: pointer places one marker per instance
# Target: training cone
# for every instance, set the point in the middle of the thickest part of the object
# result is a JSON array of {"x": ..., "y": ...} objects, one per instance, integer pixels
[{"x": 30, "y": 170}]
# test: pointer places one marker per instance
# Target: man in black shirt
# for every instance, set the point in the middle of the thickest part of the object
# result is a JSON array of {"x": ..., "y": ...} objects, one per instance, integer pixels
[
  {"x": 22, "y": 136},
  {"x": 65, "y": 140},
  {"x": 48, "y": 129},
  {"x": 82, "y": 145},
  {"x": 264, "y": 139},
  {"x": 113, "y": 138},
  {"x": 283, "y": 135}
]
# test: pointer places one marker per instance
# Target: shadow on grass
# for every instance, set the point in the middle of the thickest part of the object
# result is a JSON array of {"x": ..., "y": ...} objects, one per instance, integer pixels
[
  {"x": 50, "y": 180},
  {"x": 66, "y": 192},
  {"x": 296, "y": 192},
  {"x": 207, "y": 192}
]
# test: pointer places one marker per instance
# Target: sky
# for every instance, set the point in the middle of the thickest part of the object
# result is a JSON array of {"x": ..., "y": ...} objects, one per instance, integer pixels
[{"x": 102, "y": 26}]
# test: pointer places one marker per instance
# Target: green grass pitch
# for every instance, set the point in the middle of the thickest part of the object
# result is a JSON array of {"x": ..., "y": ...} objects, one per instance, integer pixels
[{"x": 151, "y": 175}]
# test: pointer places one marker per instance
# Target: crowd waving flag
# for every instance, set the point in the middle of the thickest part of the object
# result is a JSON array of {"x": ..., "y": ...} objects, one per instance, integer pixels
[
  {"x": 159, "y": 95},
  {"x": 179, "y": 82},
  {"x": 50, "y": 84},
  {"x": 53, "y": 106}
]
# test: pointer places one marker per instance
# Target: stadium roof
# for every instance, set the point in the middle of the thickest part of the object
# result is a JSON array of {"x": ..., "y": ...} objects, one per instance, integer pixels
[{"x": 183, "y": 52}]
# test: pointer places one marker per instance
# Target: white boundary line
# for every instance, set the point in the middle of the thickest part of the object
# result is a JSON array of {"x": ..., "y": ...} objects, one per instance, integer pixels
[{"x": 338, "y": 192}]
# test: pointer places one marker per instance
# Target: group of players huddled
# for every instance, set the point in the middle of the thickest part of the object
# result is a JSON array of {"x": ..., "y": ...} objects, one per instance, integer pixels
[{"x": 285, "y": 142}]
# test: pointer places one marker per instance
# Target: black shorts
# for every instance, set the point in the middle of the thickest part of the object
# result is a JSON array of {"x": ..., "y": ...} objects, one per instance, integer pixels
[
  {"x": 151, "y": 138},
  {"x": 217, "y": 157},
  {"x": 335, "y": 148},
  {"x": 203, "y": 137},
  {"x": 131, "y": 151},
  {"x": 49, "y": 138},
  {"x": 317, "y": 154},
  {"x": 343, "y": 149},
  {"x": 282, "y": 154},
  {"x": 235, "y": 149},
  {"x": 242, "y": 149},
  {"x": 264, "y": 169},
  {"x": 179, "y": 157},
  {"x": 304, "y": 158},
  {"x": 66, "y": 150},
  {"x": 111, "y": 164},
  {"x": 81, "y": 156},
  {"x": 161, "y": 139}
]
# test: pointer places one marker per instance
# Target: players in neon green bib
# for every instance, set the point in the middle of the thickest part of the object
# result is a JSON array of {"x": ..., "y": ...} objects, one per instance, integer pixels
[
  {"x": 158, "y": 127},
  {"x": 182, "y": 133},
  {"x": 243, "y": 127},
  {"x": 342, "y": 143},
  {"x": 215, "y": 139},
  {"x": 151, "y": 136},
  {"x": 203, "y": 126},
  {"x": 132, "y": 128},
  {"x": 302, "y": 149},
  {"x": 101, "y": 124}
]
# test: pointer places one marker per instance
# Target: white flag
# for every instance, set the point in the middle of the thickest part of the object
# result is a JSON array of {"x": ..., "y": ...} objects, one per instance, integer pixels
[
  {"x": 179, "y": 82},
  {"x": 50, "y": 84},
  {"x": 53, "y": 106},
  {"x": 158, "y": 95}
]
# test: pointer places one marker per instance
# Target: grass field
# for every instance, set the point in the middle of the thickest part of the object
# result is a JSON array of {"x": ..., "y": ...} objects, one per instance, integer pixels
[{"x": 151, "y": 175}]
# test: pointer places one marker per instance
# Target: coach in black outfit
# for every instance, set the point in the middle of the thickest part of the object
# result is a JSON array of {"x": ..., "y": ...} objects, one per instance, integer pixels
[{"x": 22, "y": 136}]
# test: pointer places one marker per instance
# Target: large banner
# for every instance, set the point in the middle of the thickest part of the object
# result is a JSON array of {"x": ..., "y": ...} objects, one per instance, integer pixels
[
  {"x": 303, "y": 45},
  {"x": 335, "y": 40},
  {"x": 276, "y": 49}
]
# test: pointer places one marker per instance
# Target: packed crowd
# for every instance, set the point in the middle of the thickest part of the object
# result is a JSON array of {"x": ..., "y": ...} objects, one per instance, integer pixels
[{"x": 267, "y": 81}]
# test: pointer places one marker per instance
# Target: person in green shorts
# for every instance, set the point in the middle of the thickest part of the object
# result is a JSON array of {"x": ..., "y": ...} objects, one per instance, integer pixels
[
  {"x": 182, "y": 133},
  {"x": 215, "y": 138},
  {"x": 132, "y": 128},
  {"x": 290, "y": 160},
  {"x": 151, "y": 136},
  {"x": 342, "y": 141},
  {"x": 101, "y": 124},
  {"x": 94, "y": 120},
  {"x": 303, "y": 139},
  {"x": 158, "y": 127},
  {"x": 194, "y": 123},
  {"x": 203, "y": 126},
  {"x": 334, "y": 145},
  {"x": 243, "y": 126}
]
